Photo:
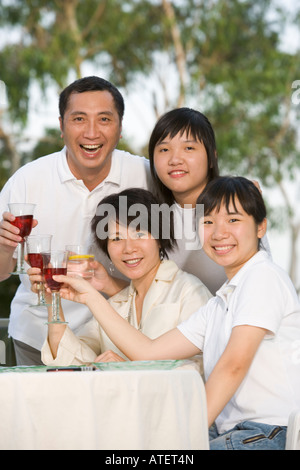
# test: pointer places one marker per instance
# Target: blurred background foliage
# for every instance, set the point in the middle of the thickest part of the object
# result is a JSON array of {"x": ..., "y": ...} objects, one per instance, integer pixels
[{"x": 224, "y": 57}]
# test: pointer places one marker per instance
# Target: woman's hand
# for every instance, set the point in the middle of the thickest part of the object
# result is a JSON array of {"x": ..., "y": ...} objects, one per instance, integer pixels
[
  {"x": 76, "y": 289},
  {"x": 105, "y": 283},
  {"x": 109, "y": 356},
  {"x": 35, "y": 277},
  {"x": 37, "y": 283},
  {"x": 101, "y": 278}
]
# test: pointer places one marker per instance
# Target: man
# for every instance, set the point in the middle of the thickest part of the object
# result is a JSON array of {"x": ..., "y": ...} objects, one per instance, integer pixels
[{"x": 66, "y": 187}]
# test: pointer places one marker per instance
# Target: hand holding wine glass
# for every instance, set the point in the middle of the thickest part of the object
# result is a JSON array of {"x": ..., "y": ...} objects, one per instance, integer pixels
[
  {"x": 55, "y": 263},
  {"x": 81, "y": 262},
  {"x": 23, "y": 220},
  {"x": 9, "y": 233},
  {"x": 76, "y": 289},
  {"x": 36, "y": 245}
]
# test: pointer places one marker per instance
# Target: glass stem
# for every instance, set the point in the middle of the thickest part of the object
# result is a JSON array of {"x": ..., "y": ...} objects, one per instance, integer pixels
[
  {"x": 20, "y": 257},
  {"x": 41, "y": 294},
  {"x": 55, "y": 307}
]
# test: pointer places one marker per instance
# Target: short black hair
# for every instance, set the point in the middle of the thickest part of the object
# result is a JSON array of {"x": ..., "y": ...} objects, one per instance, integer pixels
[
  {"x": 225, "y": 189},
  {"x": 151, "y": 219},
  {"x": 182, "y": 120},
  {"x": 92, "y": 83}
]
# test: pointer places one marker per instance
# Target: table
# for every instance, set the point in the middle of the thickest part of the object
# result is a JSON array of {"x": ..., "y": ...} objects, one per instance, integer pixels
[{"x": 139, "y": 406}]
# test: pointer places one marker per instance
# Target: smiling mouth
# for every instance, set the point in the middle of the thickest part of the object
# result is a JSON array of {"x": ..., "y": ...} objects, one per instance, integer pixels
[
  {"x": 132, "y": 262},
  {"x": 177, "y": 173},
  {"x": 91, "y": 148},
  {"x": 223, "y": 249}
]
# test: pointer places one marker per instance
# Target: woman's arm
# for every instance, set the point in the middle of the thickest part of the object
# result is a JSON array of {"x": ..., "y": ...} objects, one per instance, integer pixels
[
  {"x": 55, "y": 331},
  {"x": 232, "y": 368},
  {"x": 135, "y": 345}
]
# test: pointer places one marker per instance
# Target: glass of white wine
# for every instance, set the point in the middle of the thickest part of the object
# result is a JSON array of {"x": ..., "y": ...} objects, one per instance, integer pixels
[{"x": 80, "y": 261}]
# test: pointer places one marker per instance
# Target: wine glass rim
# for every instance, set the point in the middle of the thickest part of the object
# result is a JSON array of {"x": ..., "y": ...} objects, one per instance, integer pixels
[
  {"x": 42, "y": 235},
  {"x": 56, "y": 251},
  {"x": 21, "y": 204}
]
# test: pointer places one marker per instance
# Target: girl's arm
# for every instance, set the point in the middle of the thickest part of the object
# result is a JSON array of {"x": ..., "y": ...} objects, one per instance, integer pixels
[
  {"x": 135, "y": 345},
  {"x": 232, "y": 368}
]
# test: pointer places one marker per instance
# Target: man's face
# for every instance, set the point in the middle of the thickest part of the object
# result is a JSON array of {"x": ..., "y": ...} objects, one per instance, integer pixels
[{"x": 91, "y": 130}]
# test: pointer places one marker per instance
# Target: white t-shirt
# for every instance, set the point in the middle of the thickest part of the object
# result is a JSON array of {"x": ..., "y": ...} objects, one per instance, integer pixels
[
  {"x": 261, "y": 294},
  {"x": 65, "y": 208}
]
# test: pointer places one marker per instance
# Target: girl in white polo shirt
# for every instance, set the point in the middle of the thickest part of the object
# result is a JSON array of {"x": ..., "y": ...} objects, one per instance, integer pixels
[{"x": 249, "y": 332}]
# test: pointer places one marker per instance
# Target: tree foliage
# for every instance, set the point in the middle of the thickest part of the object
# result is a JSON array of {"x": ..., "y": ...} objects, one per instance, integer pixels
[
  {"x": 226, "y": 55},
  {"x": 57, "y": 36}
]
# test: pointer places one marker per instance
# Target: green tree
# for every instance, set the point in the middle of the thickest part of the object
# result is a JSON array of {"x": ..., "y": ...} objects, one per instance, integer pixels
[
  {"x": 48, "y": 40},
  {"x": 45, "y": 41},
  {"x": 231, "y": 65}
]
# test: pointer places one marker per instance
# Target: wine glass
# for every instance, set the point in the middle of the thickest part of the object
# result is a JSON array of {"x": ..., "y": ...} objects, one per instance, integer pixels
[
  {"x": 54, "y": 263},
  {"x": 79, "y": 261},
  {"x": 36, "y": 245},
  {"x": 23, "y": 220}
]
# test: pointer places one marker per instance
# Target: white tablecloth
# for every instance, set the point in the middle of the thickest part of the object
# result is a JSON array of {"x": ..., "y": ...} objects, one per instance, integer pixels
[{"x": 144, "y": 409}]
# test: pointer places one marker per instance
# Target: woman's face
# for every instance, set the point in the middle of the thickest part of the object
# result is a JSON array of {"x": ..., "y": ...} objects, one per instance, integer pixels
[
  {"x": 230, "y": 238},
  {"x": 182, "y": 166},
  {"x": 134, "y": 253}
]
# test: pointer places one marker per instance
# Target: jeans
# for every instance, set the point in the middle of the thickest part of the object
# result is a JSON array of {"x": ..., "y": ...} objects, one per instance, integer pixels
[{"x": 249, "y": 435}]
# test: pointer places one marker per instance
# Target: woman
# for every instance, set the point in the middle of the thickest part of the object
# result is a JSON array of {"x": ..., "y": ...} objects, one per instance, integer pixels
[
  {"x": 159, "y": 296},
  {"x": 247, "y": 333},
  {"x": 183, "y": 159}
]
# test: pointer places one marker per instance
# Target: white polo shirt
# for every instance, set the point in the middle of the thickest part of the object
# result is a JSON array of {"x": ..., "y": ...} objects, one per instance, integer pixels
[
  {"x": 261, "y": 294},
  {"x": 65, "y": 208}
]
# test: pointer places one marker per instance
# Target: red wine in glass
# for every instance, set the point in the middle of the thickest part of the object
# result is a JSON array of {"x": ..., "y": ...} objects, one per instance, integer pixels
[
  {"x": 36, "y": 260},
  {"x": 54, "y": 286},
  {"x": 24, "y": 223},
  {"x": 37, "y": 245},
  {"x": 56, "y": 266},
  {"x": 23, "y": 214}
]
